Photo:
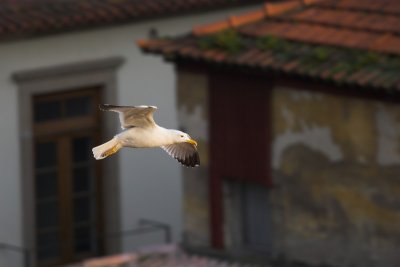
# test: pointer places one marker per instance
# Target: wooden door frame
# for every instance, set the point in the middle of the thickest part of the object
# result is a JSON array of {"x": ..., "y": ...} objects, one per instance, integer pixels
[{"x": 53, "y": 79}]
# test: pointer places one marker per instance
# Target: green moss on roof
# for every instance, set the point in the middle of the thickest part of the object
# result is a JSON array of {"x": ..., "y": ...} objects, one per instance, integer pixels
[
  {"x": 330, "y": 62},
  {"x": 228, "y": 40},
  {"x": 274, "y": 43},
  {"x": 337, "y": 59}
]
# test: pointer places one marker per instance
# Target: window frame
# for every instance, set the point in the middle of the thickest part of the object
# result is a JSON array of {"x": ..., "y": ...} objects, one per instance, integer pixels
[
  {"x": 62, "y": 132},
  {"x": 56, "y": 79}
]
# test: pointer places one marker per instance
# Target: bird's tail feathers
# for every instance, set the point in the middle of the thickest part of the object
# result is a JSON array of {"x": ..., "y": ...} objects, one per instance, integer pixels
[{"x": 106, "y": 149}]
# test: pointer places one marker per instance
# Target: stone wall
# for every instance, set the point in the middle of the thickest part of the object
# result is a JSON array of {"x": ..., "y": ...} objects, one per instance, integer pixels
[{"x": 336, "y": 172}]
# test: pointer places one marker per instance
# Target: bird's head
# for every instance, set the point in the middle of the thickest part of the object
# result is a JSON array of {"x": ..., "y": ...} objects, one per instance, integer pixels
[{"x": 181, "y": 137}]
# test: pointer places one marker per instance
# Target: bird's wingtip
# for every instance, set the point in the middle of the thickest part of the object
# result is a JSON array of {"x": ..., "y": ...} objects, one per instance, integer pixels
[{"x": 103, "y": 106}]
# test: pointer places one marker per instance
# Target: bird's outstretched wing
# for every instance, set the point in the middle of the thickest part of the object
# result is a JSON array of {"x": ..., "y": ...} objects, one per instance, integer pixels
[
  {"x": 138, "y": 116},
  {"x": 185, "y": 153}
]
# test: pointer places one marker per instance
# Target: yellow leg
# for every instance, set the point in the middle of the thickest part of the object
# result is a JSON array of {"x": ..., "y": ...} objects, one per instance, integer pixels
[{"x": 111, "y": 151}]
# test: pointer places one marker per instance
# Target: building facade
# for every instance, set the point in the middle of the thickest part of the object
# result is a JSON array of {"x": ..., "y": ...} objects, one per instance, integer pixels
[
  {"x": 296, "y": 109},
  {"x": 55, "y": 70}
]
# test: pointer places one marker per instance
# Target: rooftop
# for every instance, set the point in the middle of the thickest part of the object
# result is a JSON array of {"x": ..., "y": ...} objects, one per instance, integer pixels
[
  {"x": 157, "y": 256},
  {"x": 342, "y": 41},
  {"x": 27, "y": 18}
]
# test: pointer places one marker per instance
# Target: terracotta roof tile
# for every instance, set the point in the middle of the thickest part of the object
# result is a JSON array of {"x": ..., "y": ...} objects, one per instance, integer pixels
[
  {"x": 383, "y": 6},
  {"x": 310, "y": 2},
  {"x": 343, "y": 41},
  {"x": 211, "y": 28},
  {"x": 337, "y": 36},
  {"x": 267, "y": 60},
  {"x": 37, "y": 17},
  {"x": 270, "y": 10},
  {"x": 250, "y": 17},
  {"x": 350, "y": 19},
  {"x": 274, "y": 9},
  {"x": 367, "y": 77}
]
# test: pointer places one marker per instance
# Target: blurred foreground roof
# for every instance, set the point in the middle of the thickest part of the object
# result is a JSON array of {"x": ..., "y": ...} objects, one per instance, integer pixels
[
  {"x": 342, "y": 41},
  {"x": 26, "y": 18},
  {"x": 157, "y": 256}
]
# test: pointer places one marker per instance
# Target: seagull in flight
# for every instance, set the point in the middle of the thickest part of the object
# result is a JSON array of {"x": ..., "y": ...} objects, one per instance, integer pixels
[{"x": 141, "y": 131}]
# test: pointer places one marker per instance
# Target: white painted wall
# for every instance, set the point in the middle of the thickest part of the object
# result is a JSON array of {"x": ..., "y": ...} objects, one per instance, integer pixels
[{"x": 150, "y": 180}]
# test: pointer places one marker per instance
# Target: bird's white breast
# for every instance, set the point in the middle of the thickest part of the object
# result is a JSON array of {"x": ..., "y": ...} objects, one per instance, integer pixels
[{"x": 145, "y": 137}]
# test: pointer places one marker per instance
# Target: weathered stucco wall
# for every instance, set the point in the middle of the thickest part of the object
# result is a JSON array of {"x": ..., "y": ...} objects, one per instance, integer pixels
[
  {"x": 336, "y": 173},
  {"x": 192, "y": 97},
  {"x": 336, "y": 169}
]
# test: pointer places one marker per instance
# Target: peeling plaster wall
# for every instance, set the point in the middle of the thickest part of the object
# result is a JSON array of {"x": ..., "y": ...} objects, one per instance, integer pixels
[
  {"x": 192, "y": 96},
  {"x": 336, "y": 169},
  {"x": 388, "y": 135},
  {"x": 336, "y": 173}
]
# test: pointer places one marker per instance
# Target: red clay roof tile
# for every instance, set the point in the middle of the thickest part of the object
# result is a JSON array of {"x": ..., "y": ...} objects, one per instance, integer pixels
[
  {"x": 349, "y": 19},
  {"x": 20, "y": 19},
  {"x": 211, "y": 28},
  {"x": 382, "y": 6},
  {"x": 346, "y": 41},
  {"x": 270, "y": 9},
  {"x": 274, "y": 9},
  {"x": 247, "y": 18}
]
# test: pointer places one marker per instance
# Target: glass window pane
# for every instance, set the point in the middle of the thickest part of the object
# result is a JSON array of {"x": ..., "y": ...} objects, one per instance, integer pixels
[
  {"x": 46, "y": 185},
  {"x": 232, "y": 201},
  {"x": 82, "y": 147},
  {"x": 47, "y": 214},
  {"x": 82, "y": 179},
  {"x": 48, "y": 246},
  {"x": 247, "y": 216},
  {"x": 82, "y": 211},
  {"x": 257, "y": 224},
  {"x": 78, "y": 106},
  {"x": 45, "y": 155},
  {"x": 83, "y": 239},
  {"x": 47, "y": 110}
]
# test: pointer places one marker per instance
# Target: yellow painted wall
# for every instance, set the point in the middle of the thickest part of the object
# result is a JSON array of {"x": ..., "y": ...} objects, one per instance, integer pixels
[
  {"x": 336, "y": 168},
  {"x": 336, "y": 172}
]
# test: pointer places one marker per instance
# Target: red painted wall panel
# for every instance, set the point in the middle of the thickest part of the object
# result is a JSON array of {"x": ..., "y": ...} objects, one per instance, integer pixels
[
  {"x": 239, "y": 137},
  {"x": 240, "y": 122}
]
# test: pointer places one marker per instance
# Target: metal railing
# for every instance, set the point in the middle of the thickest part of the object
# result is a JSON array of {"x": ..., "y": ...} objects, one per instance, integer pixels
[
  {"x": 145, "y": 226},
  {"x": 26, "y": 254}
]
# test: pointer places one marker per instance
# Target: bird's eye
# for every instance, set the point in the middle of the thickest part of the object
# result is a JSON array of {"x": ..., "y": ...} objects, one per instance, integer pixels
[{"x": 182, "y": 136}]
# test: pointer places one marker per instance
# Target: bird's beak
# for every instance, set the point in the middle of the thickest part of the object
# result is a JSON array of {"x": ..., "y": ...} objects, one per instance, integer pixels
[{"x": 192, "y": 142}]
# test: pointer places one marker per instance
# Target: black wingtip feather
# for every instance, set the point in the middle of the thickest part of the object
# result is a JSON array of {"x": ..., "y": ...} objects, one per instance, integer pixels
[
  {"x": 191, "y": 161},
  {"x": 106, "y": 107}
]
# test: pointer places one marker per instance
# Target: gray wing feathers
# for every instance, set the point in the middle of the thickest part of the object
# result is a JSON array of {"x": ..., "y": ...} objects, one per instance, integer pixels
[
  {"x": 139, "y": 116},
  {"x": 185, "y": 153}
]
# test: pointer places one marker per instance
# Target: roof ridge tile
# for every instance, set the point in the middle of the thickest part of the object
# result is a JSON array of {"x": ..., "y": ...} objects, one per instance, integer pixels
[
  {"x": 278, "y": 8},
  {"x": 246, "y": 18},
  {"x": 268, "y": 10},
  {"x": 211, "y": 28},
  {"x": 311, "y": 2}
]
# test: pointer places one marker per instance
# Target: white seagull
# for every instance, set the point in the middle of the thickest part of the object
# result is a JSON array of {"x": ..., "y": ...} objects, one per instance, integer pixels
[{"x": 141, "y": 131}]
